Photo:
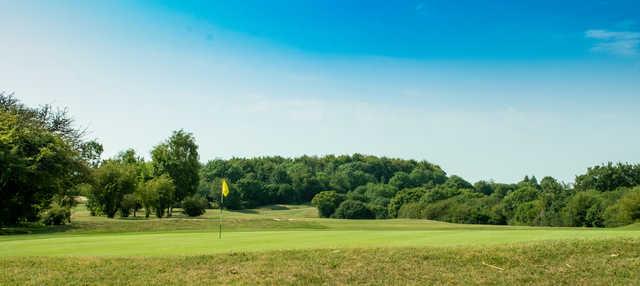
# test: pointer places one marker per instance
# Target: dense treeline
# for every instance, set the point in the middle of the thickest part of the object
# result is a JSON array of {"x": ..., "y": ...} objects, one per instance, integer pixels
[
  {"x": 362, "y": 186},
  {"x": 46, "y": 162}
]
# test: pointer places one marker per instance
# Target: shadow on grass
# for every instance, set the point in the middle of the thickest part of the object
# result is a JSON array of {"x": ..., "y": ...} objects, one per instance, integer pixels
[
  {"x": 276, "y": 207},
  {"x": 36, "y": 229}
]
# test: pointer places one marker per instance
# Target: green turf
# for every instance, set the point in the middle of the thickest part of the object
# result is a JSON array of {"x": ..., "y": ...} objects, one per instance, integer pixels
[
  {"x": 568, "y": 262},
  {"x": 267, "y": 229}
]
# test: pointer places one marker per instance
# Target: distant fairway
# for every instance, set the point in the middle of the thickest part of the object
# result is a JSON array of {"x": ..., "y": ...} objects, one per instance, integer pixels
[
  {"x": 290, "y": 245},
  {"x": 288, "y": 228}
]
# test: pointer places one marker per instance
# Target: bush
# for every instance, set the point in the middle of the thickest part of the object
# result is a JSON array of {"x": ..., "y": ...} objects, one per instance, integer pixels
[
  {"x": 56, "y": 215},
  {"x": 585, "y": 209},
  {"x": 410, "y": 210},
  {"x": 194, "y": 206},
  {"x": 350, "y": 209},
  {"x": 625, "y": 211},
  {"x": 327, "y": 202},
  {"x": 528, "y": 213},
  {"x": 129, "y": 203},
  {"x": 112, "y": 181},
  {"x": 403, "y": 197},
  {"x": 380, "y": 212}
]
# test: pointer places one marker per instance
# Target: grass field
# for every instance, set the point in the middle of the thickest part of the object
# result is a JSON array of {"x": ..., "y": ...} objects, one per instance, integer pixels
[{"x": 290, "y": 245}]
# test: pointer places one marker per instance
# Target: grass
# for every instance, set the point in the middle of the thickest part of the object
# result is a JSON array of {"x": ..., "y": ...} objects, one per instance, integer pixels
[
  {"x": 290, "y": 245},
  {"x": 598, "y": 262}
]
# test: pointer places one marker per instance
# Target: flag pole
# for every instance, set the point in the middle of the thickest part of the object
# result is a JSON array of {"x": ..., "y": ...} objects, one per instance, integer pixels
[{"x": 220, "y": 224}]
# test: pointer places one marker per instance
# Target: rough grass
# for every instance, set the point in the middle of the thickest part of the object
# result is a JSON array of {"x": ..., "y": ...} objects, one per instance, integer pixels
[{"x": 596, "y": 262}]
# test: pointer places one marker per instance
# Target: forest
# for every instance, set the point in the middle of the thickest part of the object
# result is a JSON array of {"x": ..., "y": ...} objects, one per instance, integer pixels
[{"x": 47, "y": 162}]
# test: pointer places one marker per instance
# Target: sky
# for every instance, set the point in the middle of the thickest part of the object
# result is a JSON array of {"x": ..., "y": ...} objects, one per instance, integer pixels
[{"x": 492, "y": 90}]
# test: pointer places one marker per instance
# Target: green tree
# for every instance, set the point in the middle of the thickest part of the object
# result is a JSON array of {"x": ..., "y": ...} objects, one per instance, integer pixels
[
  {"x": 377, "y": 193},
  {"x": 401, "y": 180},
  {"x": 484, "y": 187},
  {"x": 609, "y": 177},
  {"x": 157, "y": 194},
  {"x": 194, "y": 206},
  {"x": 178, "y": 158},
  {"x": 585, "y": 209},
  {"x": 456, "y": 182},
  {"x": 112, "y": 181},
  {"x": 130, "y": 203},
  {"x": 327, "y": 202},
  {"x": 351, "y": 209},
  {"x": 625, "y": 211},
  {"x": 402, "y": 197},
  {"x": 528, "y": 213},
  {"x": 40, "y": 157},
  {"x": 524, "y": 194},
  {"x": 148, "y": 196}
]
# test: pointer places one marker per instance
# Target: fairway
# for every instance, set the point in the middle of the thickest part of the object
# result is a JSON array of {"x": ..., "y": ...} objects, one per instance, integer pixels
[
  {"x": 282, "y": 228},
  {"x": 199, "y": 243},
  {"x": 290, "y": 245}
]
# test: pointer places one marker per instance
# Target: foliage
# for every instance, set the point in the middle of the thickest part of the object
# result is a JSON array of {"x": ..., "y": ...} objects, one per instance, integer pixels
[
  {"x": 40, "y": 157},
  {"x": 129, "y": 203},
  {"x": 410, "y": 210},
  {"x": 625, "y": 211},
  {"x": 351, "y": 209},
  {"x": 585, "y": 209},
  {"x": 327, "y": 202},
  {"x": 178, "y": 158},
  {"x": 56, "y": 215},
  {"x": 45, "y": 161},
  {"x": 194, "y": 206},
  {"x": 403, "y": 197},
  {"x": 112, "y": 181},
  {"x": 158, "y": 194},
  {"x": 609, "y": 177}
]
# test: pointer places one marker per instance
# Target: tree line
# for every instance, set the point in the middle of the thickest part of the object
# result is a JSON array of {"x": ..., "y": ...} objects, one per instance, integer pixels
[{"x": 46, "y": 162}]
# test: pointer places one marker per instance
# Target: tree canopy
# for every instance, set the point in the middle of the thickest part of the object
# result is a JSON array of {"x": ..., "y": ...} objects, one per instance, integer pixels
[{"x": 45, "y": 160}]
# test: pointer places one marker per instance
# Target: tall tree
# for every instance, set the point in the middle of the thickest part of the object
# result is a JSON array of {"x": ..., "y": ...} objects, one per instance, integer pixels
[
  {"x": 178, "y": 158},
  {"x": 40, "y": 157},
  {"x": 112, "y": 181}
]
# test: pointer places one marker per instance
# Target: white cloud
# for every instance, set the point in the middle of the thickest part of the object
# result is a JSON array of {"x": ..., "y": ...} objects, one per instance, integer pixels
[{"x": 621, "y": 43}]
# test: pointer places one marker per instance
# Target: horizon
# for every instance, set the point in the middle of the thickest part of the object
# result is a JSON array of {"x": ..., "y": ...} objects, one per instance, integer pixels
[{"x": 491, "y": 91}]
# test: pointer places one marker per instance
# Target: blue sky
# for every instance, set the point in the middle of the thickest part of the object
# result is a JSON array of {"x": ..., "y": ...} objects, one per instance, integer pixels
[{"x": 491, "y": 90}]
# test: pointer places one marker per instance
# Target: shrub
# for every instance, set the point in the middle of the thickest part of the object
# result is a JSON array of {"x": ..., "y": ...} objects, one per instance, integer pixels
[
  {"x": 625, "y": 211},
  {"x": 584, "y": 209},
  {"x": 327, "y": 202},
  {"x": 403, "y": 197},
  {"x": 56, "y": 215},
  {"x": 350, "y": 209},
  {"x": 128, "y": 204},
  {"x": 194, "y": 206},
  {"x": 379, "y": 212},
  {"x": 410, "y": 210},
  {"x": 112, "y": 181},
  {"x": 528, "y": 213}
]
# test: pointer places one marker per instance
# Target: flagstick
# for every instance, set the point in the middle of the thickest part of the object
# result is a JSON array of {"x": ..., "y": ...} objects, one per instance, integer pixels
[{"x": 220, "y": 225}]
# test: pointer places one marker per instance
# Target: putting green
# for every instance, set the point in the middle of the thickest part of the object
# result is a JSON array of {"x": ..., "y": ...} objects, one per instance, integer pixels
[{"x": 196, "y": 243}]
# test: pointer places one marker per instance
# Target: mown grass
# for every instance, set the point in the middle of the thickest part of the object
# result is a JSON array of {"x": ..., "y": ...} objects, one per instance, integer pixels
[
  {"x": 200, "y": 243},
  {"x": 290, "y": 245},
  {"x": 268, "y": 229},
  {"x": 594, "y": 262}
]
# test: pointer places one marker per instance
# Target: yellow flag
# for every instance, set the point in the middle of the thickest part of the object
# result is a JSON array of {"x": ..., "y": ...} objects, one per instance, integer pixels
[{"x": 225, "y": 188}]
